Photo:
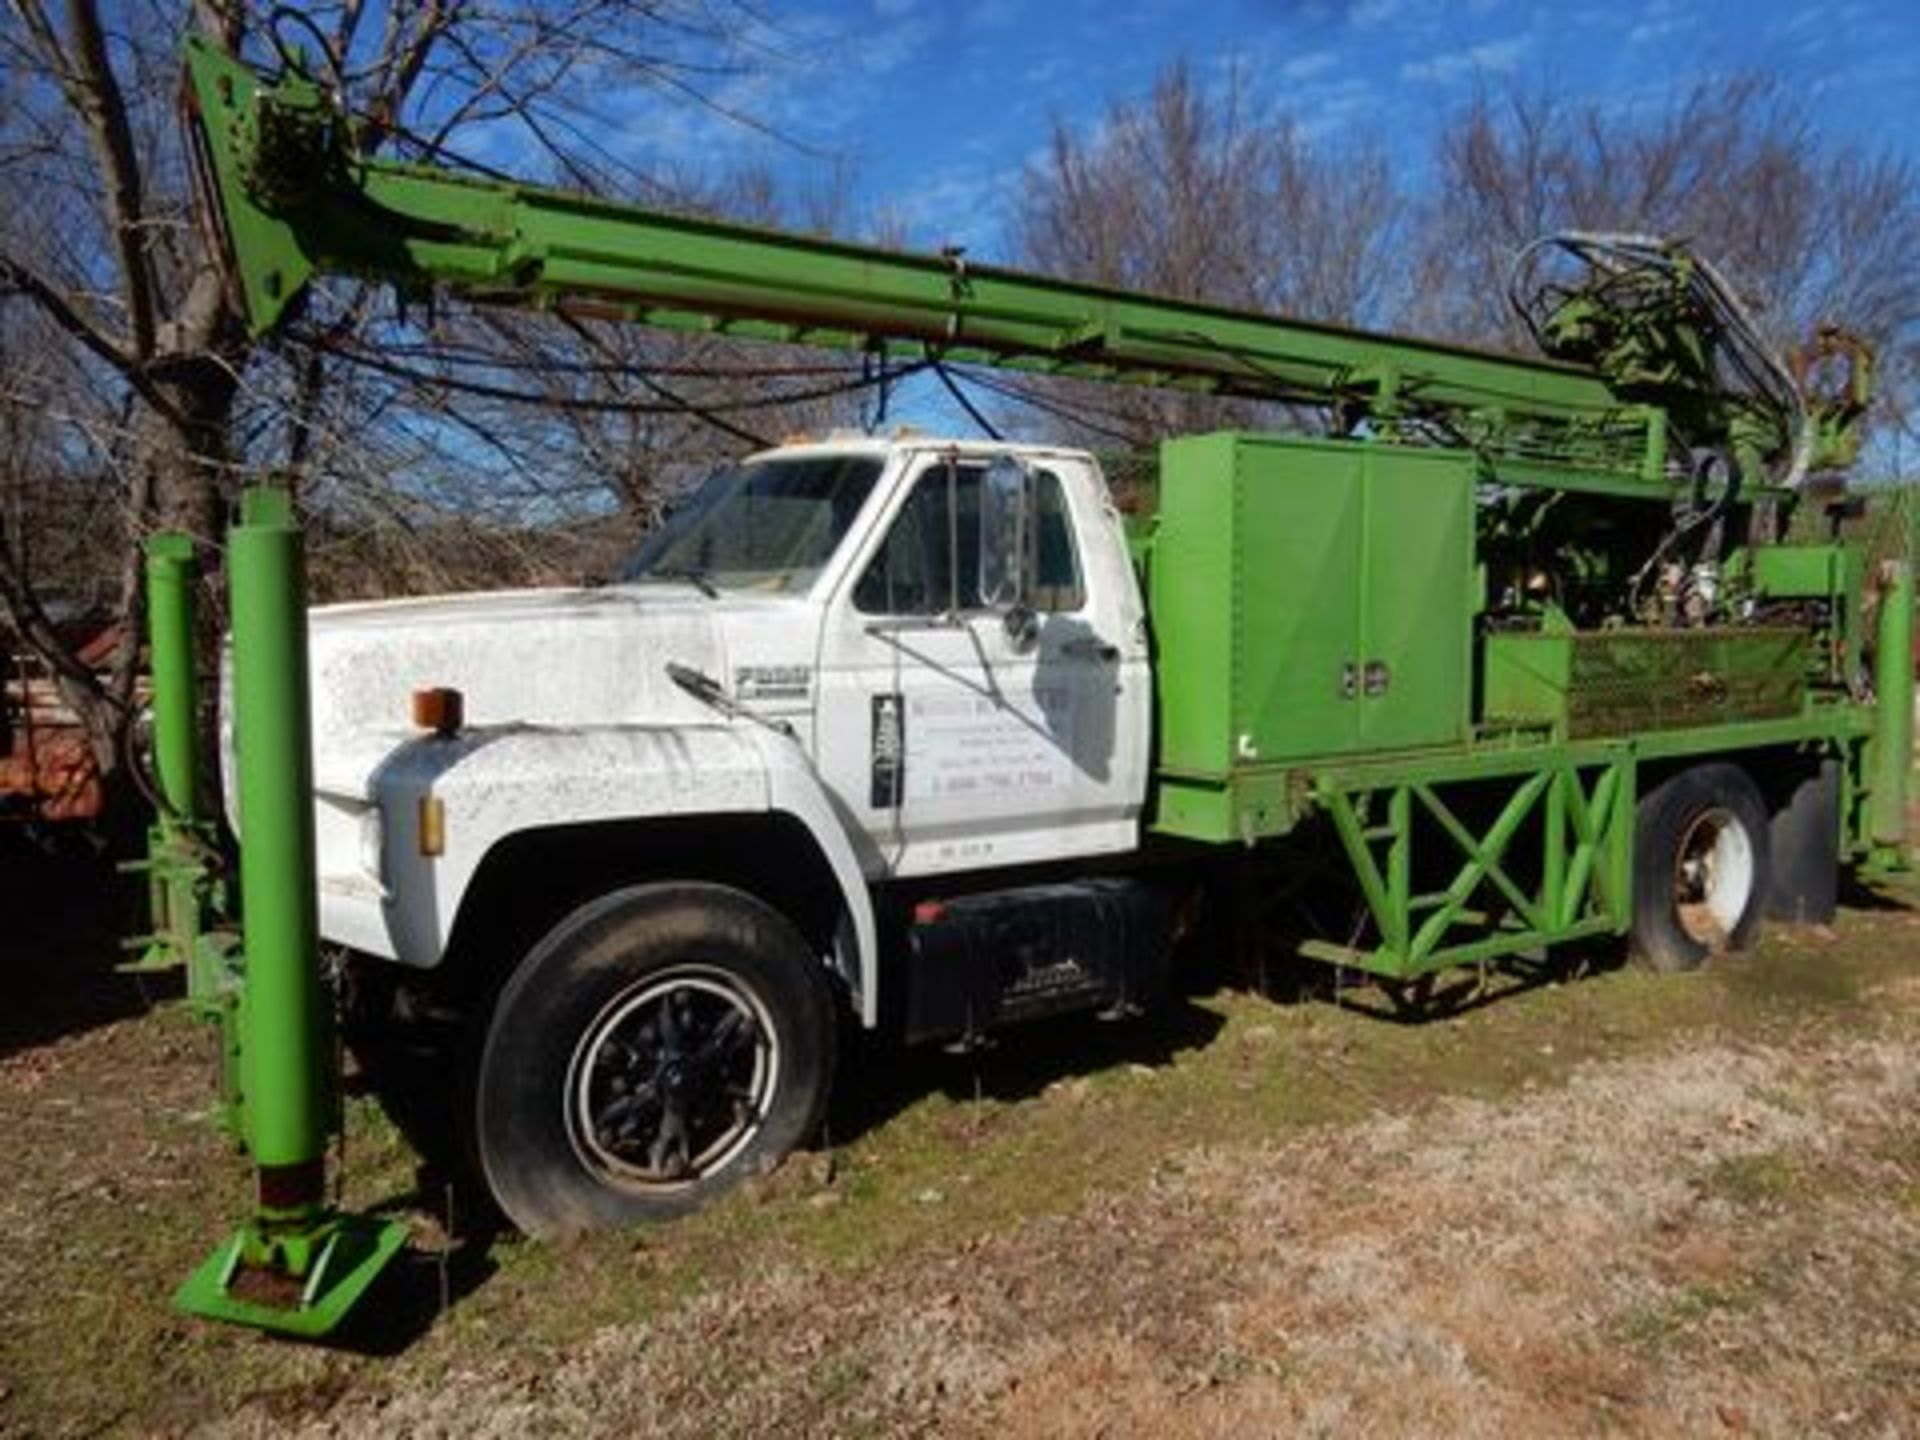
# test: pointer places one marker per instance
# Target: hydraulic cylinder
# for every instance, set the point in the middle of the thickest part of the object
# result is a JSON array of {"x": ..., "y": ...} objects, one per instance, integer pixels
[{"x": 175, "y": 875}]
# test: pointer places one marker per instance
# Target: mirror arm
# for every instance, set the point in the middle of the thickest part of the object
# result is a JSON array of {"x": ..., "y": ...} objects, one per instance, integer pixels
[{"x": 1022, "y": 624}]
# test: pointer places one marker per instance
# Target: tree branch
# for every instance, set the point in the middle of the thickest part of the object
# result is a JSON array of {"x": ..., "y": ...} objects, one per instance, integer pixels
[
  {"x": 223, "y": 20},
  {"x": 400, "y": 67},
  {"x": 79, "y": 686},
  {"x": 97, "y": 92},
  {"x": 17, "y": 279}
]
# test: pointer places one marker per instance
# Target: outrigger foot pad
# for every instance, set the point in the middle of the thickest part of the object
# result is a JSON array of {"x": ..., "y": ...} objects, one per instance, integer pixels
[{"x": 302, "y": 1283}]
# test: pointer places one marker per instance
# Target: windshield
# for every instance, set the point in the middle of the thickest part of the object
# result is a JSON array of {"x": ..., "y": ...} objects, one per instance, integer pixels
[{"x": 765, "y": 525}]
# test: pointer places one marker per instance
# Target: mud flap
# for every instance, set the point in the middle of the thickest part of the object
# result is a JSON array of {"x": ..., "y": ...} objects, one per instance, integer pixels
[{"x": 1805, "y": 843}]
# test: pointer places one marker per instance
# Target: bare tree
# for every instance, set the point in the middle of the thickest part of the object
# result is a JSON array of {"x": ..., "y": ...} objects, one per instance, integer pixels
[
  {"x": 1809, "y": 229},
  {"x": 150, "y": 365},
  {"x": 517, "y": 446},
  {"x": 1202, "y": 194}
]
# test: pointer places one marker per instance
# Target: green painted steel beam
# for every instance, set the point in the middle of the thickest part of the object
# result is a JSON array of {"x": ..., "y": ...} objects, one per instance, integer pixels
[
  {"x": 1483, "y": 856},
  {"x": 288, "y": 1103},
  {"x": 171, "y": 578},
  {"x": 298, "y": 1265},
  {"x": 1595, "y": 823},
  {"x": 1893, "y": 718},
  {"x": 1580, "y": 892},
  {"x": 1260, "y": 801},
  {"x": 295, "y": 199}
]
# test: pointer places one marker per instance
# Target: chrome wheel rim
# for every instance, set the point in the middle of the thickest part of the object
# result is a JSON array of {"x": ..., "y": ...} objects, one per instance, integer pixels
[{"x": 672, "y": 1080}]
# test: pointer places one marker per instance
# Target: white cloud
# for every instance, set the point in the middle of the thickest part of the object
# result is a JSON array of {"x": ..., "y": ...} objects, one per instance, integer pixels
[
  {"x": 1329, "y": 109},
  {"x": 1045, "y": 71},
  {"x": 888, "y": 49},
  {"x": 1658, "y": 20},
  {"x": 982, "y": 16},
  {"x": 1308, "y": 66},
  {"x": 965, "y": 206},
  {"x": 806, "y": 84},
  {"x": 1372, "y": 14},
  {"x": 1493, "y": 57}
]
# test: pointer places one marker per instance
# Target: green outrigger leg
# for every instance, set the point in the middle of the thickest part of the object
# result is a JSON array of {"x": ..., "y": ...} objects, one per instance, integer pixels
[
  {"x": 1893, "y": 685},
  {"x": 297, "y": 1266},
  {"x": 179, "y": 880}
]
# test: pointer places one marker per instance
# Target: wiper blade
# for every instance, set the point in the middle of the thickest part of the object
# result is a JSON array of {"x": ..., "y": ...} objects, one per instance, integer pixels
[
  {"x": 709, "y": 691},
  {"x": 691, "y": 574}
]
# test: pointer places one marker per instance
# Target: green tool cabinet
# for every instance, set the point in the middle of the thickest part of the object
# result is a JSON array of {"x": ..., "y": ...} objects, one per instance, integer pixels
[{"x": 1311, "y": 600}]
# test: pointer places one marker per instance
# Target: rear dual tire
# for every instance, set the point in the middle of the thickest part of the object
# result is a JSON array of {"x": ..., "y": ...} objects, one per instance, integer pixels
[{"x": 1701, "y": 867}]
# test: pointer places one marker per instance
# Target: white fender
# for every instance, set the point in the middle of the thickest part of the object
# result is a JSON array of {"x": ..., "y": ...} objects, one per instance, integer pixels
[
  {"x": 794, "y": 788},
  {"x": 379, "y": 894}
]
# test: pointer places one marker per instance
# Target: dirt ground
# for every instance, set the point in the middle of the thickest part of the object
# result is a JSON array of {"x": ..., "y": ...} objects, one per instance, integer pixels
[{"x": 1612, "y": 1204}]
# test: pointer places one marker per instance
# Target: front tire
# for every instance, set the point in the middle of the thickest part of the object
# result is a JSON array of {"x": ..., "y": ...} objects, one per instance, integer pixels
[
  {"x": 660, "y": 1044},
  {"x": 1700, "y": 867}
]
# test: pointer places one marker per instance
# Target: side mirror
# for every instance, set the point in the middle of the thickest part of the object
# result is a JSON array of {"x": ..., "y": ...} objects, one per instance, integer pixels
[{"x": 1008, "y": 536}]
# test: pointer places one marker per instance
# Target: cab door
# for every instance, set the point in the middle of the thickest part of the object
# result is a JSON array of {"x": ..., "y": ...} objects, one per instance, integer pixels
[{"x": 955, "y": 736}]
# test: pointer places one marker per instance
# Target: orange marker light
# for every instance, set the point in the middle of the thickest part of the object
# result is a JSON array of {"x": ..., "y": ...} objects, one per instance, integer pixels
[{"x": 440, "y": 710}]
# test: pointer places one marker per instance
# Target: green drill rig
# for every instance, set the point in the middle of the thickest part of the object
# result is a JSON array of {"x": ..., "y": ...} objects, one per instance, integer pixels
[{"x": 1477, "y": 628}]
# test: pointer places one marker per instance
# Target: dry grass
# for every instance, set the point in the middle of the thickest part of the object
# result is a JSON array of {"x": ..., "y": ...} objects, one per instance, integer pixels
[
  {"x": 1620, "y": 1206},
  {"x": 1578, "y": 1261}
]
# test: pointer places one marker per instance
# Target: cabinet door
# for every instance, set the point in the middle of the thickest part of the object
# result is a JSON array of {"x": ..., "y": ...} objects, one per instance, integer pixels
[
  {"x": 1296, "y": 628},
  {"x": 1415, "y": 602}
]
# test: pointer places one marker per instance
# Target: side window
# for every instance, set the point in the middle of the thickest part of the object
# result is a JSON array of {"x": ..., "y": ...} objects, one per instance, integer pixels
[
  {"x": 930, "y": 562},
  {"x": 1057, "y": 576},
  {"x": 916, "y": 572}
]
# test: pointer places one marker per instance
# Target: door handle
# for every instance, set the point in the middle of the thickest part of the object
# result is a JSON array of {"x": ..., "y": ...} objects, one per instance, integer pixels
[{"x": 1092, "y": 647}]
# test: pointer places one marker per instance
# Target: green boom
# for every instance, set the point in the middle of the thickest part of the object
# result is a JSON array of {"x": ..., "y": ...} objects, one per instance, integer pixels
[{"x": 293, "y": 199}]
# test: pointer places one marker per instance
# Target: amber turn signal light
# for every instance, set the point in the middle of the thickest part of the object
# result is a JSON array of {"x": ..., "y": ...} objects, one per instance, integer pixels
[{"x": 440, "y": 710}]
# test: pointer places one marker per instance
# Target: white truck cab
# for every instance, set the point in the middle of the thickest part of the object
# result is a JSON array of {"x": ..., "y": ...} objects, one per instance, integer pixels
[{"x": 837, "y": 667}]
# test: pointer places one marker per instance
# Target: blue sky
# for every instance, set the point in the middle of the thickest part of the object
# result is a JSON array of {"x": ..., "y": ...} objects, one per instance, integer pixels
[{"x": 936, "y": 106}]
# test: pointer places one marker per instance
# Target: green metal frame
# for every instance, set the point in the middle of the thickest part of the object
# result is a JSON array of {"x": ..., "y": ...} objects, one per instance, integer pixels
[
  {"x": 1892, "y": 743},
  {"x": 1581, "y": 814},
  {"x": 187, "y": 889}
]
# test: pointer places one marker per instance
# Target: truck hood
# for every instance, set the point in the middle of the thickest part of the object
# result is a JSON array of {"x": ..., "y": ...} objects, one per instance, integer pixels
[{"x": 552, "y": 658}]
